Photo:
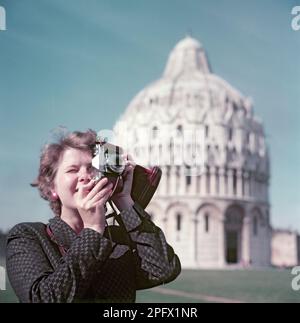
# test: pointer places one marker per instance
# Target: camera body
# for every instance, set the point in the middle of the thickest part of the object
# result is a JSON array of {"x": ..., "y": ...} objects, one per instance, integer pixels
[{"x": 109, "y": 162}]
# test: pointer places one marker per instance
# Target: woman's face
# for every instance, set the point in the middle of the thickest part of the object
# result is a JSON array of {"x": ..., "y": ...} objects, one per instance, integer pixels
[{"x": 74, "y": 169}]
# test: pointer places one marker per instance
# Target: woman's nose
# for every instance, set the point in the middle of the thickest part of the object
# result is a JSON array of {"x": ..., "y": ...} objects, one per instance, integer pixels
[{"x": 85, "y": 177}]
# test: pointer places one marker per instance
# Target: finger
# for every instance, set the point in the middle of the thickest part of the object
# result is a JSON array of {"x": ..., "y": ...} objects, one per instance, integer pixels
[
  {"x": 101, "y": 184},
  {"x": 100, "y": 195},
  {"x": 96, "y": 202},
  {"x": 129, "y": 166},
  {"x": 85, "y": 188},
  {"x": 129, "y": 171},
  {"x": 128, "y": 159},
  {"x": 103, "y": 192},
  {"x": 102, "y": 200}
]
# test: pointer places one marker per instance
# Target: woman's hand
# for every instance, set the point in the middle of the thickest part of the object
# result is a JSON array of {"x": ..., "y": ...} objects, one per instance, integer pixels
[
  {"x": 123, "y": 199},
  {"x": 90, "y": 201}
]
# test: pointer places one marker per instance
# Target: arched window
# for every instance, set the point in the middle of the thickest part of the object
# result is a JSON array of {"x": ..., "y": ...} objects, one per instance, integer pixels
[
  {"x": 230, "y": 134},
  {"x": 188, "y": 179},
  {"x": 206, "y": 131},
  {"x": 207, "y": 180},
  {"x": 255, "y": 225},
  {"x": 154, "y": 132},
  {"x": 234, "y": 182},
  {"x": 206, "y": 222},
  {"x": 179, "y": 130},
  {"x": 178, "y": 222}
]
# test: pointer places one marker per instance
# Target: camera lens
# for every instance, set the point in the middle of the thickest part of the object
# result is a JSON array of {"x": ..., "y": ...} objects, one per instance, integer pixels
[{"x": 115, "y": 163}]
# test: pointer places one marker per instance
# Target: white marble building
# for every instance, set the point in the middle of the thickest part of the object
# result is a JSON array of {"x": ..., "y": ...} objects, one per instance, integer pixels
[
  {"x": 285, "y": 248},
  {"x": 212, "y": 202}
]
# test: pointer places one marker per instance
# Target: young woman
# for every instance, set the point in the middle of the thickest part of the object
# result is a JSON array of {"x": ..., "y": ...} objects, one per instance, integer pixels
[{"x": 76, "y": 257}]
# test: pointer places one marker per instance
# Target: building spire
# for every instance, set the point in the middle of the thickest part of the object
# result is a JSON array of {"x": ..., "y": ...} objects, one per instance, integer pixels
[
  {"x": 189, "y": 33},
  {"x": 188, "y": 56}
]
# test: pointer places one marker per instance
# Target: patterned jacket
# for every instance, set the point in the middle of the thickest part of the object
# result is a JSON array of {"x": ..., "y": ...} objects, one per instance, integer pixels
[{"x": 95, "y": 267}]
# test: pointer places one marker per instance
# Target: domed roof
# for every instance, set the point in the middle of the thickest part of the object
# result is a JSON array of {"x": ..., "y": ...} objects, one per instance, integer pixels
[
  {"x": 190, "y": 95},
  {"x": 188, "y": 90}
]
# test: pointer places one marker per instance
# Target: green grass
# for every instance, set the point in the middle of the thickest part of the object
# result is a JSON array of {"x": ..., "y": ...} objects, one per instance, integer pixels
[{"x": 243, "y": 285}]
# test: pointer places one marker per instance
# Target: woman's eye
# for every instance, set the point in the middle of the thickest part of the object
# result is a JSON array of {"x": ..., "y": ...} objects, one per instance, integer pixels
[{"x": 73, "y": 170}]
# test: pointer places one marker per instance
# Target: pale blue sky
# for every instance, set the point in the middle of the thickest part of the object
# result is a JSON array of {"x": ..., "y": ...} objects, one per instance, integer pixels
[{"x": 78, "y": 63}]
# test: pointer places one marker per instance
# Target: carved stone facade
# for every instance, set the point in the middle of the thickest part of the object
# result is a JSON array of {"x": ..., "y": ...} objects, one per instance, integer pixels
[{"x": 212, "y": 201}]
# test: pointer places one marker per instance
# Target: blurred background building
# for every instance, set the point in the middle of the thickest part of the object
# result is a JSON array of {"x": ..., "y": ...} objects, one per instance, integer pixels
[
  {"x": 285, "y": 248},
  {"x": 212, "y": 202}
]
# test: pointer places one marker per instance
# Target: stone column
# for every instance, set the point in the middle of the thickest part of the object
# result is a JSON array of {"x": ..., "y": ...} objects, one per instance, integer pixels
[
  {"x": 196, "y": 249},
  {"x": 252, "y": 185},
  {"x": 239, "y": 183},
  {"x": 173, "y": 180},
  {"x": 167, "y": 180},
  {"x": 222, "y": 243},
  {"x": 246, "y": 252},
  {"x": 230, "y": 182},
  {"x": 246, "y": 184},
  {"x": 193, "y": 187},
  {"x": 222, "y": 188},
  {"x": 182, "y": 189},
  {"x": 177, "y": 179},
  {"x": 259, "y": 191},
  {"x": 198, "y": 181},
  {"x": 207, "y": 180},
  {"x": 213, "y": 180},
  {"x": 256, "y": 187},
  {"x": 203, "y": 181}
]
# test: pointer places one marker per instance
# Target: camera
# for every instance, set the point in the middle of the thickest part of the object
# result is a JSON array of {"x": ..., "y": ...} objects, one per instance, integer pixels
[{"x": 109, "y": 162}]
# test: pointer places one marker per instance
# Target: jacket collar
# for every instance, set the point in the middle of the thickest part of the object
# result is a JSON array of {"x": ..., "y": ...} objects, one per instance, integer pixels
[{"x": 63, "y": 233}]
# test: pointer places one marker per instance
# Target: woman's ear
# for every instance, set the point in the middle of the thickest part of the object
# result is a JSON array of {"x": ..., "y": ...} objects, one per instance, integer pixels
[{"x": 54, "y": 196}]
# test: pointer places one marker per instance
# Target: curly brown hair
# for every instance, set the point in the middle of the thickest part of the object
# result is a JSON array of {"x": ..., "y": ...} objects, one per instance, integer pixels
[{"x": 50, "y": 158}]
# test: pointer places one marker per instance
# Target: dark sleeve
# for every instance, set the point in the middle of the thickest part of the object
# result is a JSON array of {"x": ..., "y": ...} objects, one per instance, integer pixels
[
  {"x": 34, "y": 279},
  {"x": 156, "y": 261}
]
